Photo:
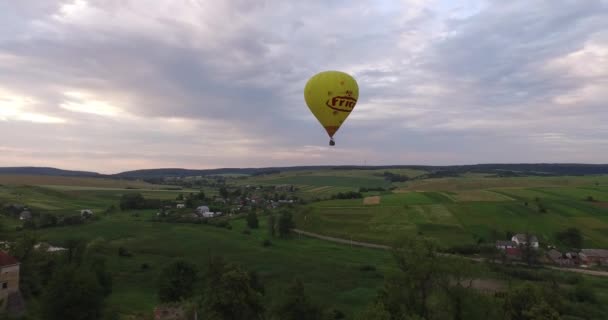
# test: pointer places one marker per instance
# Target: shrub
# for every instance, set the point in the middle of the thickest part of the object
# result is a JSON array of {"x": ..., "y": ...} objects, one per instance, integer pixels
[
  {"x": 266, "y": 243},
  {"x": 367, "y": 268},
  {"x": 122, "y": 252}
]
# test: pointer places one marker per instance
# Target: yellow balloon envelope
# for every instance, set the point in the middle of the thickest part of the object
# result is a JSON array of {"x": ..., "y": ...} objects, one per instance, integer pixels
[{"x": 331, "y": 96}]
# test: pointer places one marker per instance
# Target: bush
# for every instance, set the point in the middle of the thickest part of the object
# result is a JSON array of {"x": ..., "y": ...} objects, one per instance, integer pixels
[
  {"x": 246, "y": 231},
  {"x": 367, "y": 268},
  {"x": 122, "y": 252},
  {"x": 145, "y": 266},
  {"x": 464, "y": 249},
  {"x": 266, "y": 243}
]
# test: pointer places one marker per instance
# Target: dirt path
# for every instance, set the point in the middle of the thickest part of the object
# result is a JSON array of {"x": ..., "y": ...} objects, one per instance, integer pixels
[{"x": 384, "y": 247}]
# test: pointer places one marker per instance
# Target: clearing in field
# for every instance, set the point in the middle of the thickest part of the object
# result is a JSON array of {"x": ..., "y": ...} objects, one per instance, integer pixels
[{"x": 371, "y": 200}]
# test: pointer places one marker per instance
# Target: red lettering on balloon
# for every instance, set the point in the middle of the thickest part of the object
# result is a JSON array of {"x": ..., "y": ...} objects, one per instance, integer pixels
[{"x": 341, "y": 103}]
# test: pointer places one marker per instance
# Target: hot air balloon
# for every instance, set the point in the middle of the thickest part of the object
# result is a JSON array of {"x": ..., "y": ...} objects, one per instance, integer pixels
[{"x": 331, "y": 96}]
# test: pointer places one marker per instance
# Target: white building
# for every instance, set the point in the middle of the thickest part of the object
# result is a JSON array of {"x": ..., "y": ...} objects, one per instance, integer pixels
[
  {"x": 522, "y": 239},
  {"x": 180, "y": 206},
  {"x": 202, "y": 209}
]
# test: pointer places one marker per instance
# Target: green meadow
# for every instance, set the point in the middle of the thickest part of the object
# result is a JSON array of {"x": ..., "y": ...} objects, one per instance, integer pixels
[
  {"x": 466, "y": 216},
  {"x": 332, "y": 273}
]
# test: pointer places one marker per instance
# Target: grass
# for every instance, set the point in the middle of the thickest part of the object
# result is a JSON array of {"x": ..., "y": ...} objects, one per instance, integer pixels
[
  {"x": 334, "y": 181},
  {"x": 13, "y": 179},
  {"x": 329, "y": 271},
  {"x": 461, "y": 217}
]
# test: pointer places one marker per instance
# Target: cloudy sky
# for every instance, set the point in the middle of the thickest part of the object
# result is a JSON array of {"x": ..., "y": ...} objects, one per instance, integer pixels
[{"x": 113, "y": 85}]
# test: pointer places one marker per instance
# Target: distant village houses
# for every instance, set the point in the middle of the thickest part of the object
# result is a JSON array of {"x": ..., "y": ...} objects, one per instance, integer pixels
[
  {"x": 567, "y": 259},
  {"x": 595, "y": 256}
]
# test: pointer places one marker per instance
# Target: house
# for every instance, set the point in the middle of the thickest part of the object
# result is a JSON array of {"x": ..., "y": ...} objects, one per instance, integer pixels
[
  {"x": 504, "y": 245},
  {"x": 522, "y": 239},
  {"x": 202, "y": 209},
  {"x": 210, "y": 214},
  {"x": 180, "y": 206},
  {"x": 11, "y": 301},
  {"x": 85, "y": 213},
  {"x": 25, "y": 215},
  {"x": 564, "y": 259},
  {"x": 509, "y": 247},
  {"x": 48, "y": 247},
  {"x": 595, "y": 256}
]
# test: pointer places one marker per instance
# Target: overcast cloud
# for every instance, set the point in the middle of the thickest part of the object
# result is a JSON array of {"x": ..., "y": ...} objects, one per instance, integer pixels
[{"x": 113, "y": 85}]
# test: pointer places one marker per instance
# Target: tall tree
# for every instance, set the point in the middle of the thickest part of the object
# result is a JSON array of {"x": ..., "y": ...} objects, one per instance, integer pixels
[
  {"x": 177, "y": 281},
  {"x": 271, "y": 225},
  {"x": 297, "y": 305},
  {"x": 229, "y": 294},
  {"x": 285, "y": 224},
  {"x": 421, "y": 273},
  {"x": 252, "y": 220},
  {"x": 73, "y": 293},
  {"x": 570, "y": 237},
  {"x": 224, "y": 192}
]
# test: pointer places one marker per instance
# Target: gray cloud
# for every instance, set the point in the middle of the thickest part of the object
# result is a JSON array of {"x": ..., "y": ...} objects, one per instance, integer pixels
[{"x": 113, "y": 85}]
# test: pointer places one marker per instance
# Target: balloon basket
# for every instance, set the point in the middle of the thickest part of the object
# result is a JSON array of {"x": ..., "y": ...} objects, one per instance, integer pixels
[{"x": 332, "y": 142}]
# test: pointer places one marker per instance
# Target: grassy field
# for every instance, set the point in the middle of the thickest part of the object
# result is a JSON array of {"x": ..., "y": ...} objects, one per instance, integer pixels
[
  {"x": 72, "y": 199},
  {"x": 465, "y": 216},
  {"x": 331, "y": 273},
  {"x": 9, "y": 179},
  {"x": 476, "y": 182}
]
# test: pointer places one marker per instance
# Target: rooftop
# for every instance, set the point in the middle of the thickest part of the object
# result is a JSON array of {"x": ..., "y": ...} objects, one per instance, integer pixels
[
  {"x": 7, "y": 260},
  {"x": 522, "y": 237},
  {"x": 602, "y": 253}
]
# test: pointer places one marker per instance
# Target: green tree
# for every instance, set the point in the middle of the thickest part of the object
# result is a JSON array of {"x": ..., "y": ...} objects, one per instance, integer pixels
[
  {"x": 271, "y": 225},
  {"x": 130, "y": 201},
  {"x": 375, "y": 311},
  {"x": 190, "y": 203},
  {"x": 541, "y": 311},
  {"x": 409, "y": 292},
  {"x": 527, "y": 301},
  {"x": 201, "y": 196},
  {"x": 297, "y": 305},
  {"x": 73, "y": 293},
  {"x": 76, "y": 249},
  {"x": 179, "y": 197},
  {"x": 224, "y": 192},
  {"x": 31, "y": 280},
  {"x": 252, "y": 220},
  {"x": 285, "y": 224},
  {"x": 570, "y": 237},
  {"x": 177, "y": 281},
  {"x": 229, "y": 294}
]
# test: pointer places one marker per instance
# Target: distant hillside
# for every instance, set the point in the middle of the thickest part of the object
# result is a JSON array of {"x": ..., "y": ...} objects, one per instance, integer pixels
[
  {"x": 498, "y": 169},
  {"x": 178, "y": 172},
  {"x": 435, "y": 171},
  {"x": 44, "y": 171}
]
